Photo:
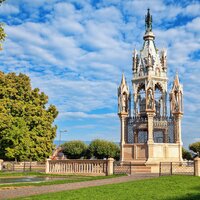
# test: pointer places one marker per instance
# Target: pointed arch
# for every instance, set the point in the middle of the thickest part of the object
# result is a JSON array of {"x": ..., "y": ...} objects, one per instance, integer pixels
[
  {"x": 141, "y": 86},
  {"x": 159, "y": 86}
]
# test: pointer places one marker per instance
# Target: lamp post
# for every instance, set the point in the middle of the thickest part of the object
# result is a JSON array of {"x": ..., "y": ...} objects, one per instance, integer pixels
[{"x": 64, "y": 131}]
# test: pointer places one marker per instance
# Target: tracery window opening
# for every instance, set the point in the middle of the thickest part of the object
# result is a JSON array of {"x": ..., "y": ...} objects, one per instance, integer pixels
[
  {"x": 158, "y": 136},
  {"x": 142, "y": 136}
]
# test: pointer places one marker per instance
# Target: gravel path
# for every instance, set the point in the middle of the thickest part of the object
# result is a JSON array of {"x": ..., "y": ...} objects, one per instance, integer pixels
[{"x": 35, "y": 190}]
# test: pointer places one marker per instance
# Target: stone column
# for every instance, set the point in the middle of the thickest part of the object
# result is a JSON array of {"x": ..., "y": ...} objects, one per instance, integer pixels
[
  {"x": 178, "y": 138},
  {"x": 178, "y": 128},
  {"x": 197, "y": 166},
  {"x": 165, "y": 136},
  {"x": 1, "y": 164},
  {"x": 150, "y": 142},
  {"x": 135, "y": 137},
  {"x": 150, "y": 116},
  {"x": 47, "y": 166},
  {"x": 123, "y": 117},
  {"x": 110, "y": 162}
]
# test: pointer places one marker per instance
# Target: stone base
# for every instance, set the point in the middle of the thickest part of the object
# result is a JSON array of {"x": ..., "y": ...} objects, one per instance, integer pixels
[
  {"x": 151, "y": 155},
  {"x": 156, "y": 152}
]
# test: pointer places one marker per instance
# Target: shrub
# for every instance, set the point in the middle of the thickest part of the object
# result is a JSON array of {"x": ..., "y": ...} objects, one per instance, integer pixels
[
  {"x": 74, "y": 149},
  {"x": 103, "y": 149},
  {"x": 186, "y": 154},
  {"x": 195, "y": 147}
]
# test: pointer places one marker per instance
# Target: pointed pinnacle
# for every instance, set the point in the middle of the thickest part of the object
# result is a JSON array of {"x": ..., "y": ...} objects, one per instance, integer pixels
[{"x": 123, "y": 79}]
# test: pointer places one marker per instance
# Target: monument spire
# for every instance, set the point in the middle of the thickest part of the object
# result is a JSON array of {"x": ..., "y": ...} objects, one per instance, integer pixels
[
  {"x": 148, "y": 26},
  {"x": 148, "y": 21}
]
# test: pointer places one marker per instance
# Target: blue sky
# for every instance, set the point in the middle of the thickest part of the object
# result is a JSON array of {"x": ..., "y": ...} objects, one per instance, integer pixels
[{"x": 76, "y": 50}]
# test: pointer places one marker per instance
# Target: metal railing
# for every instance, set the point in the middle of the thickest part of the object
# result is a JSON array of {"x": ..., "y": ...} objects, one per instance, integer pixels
[
  {"x": 119, "y": 168},
  {"x": 176, "y": 168},
  {"x": 25, "y": 166}
]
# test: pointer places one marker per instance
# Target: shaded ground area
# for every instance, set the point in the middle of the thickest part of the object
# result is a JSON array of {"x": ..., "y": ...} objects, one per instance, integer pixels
[{"x": 23, "y": 192}]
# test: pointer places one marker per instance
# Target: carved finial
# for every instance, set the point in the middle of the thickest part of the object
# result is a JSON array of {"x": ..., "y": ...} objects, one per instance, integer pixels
[{"x": 148, "y": 21}]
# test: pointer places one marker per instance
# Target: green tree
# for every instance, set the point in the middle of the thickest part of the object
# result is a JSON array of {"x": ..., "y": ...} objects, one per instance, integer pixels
[
  {"x": 186, "y": 154},
  {"x": 195, "y": 147},
  {"x": 74, "y": 149},
  {"x": 103, "y": 149},
  {"x": 26, "y": 125}
]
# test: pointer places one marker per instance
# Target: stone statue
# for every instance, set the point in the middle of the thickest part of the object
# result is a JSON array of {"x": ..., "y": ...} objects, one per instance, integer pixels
[
  {"x": 124, "y": 103},
  {"x": 149, "y": 60},
  {"x": 163, "y": 59},
  {"x": 150, "y": 99},
  {"x": 176, "y": 107}
]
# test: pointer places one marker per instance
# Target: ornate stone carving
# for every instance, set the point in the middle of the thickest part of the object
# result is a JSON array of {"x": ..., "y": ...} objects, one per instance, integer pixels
[
  {"x": 124, "y": 103},
  {"x": 150, "y": 98},
  {"x": 163, "y": 59}
]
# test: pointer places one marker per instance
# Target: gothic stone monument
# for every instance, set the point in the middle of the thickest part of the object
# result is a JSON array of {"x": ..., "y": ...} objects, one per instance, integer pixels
[{"x": 150, "y": 136}]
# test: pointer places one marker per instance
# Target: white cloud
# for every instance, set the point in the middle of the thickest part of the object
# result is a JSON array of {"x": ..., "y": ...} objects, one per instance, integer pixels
[
  {"x": 194, "y": 25},
  {"x": 78, "y": 115},
  {"x": 192, "y": 9},
  {"x": 8, "y": 9}
]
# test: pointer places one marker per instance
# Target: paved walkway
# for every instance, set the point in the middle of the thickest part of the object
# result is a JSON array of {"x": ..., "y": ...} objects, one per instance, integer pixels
[{"x": 35, "y": 190}]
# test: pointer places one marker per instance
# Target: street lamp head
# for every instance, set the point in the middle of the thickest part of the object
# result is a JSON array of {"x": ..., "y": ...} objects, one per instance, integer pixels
[{"x": 63, "y": 131}]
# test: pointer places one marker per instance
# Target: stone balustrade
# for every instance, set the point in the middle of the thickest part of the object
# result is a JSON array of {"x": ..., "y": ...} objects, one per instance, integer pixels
[{"x": 83, "y": 167}]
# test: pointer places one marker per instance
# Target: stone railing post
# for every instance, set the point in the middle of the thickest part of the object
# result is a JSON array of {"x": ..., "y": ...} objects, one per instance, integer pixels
[
  {"x": 197, "y": 166},
  {"x": 1, "y": 164},
  {"x": 47, "y": 166},
  {"x": 110, "y": 162}
]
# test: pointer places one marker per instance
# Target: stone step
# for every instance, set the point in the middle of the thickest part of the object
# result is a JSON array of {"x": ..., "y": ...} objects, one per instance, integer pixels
[
  {"x": 140, "y": 167},
  {"x": 141, "y": 170},
  {"x": 135, "y": 162}
]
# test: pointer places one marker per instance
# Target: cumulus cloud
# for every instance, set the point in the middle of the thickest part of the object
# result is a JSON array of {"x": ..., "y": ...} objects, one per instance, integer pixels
[{"x": 8, "y": 9}]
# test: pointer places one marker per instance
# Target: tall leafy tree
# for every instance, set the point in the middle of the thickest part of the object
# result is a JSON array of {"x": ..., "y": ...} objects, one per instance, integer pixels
[{"x": 26, "y": 124}]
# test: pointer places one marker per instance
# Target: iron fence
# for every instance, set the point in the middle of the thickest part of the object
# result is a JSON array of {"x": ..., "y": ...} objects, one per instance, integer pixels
[
  {"x": 176, "y": 168},
  {"x": 122, "y": 168},
  {"x": 26, "y": 166}
]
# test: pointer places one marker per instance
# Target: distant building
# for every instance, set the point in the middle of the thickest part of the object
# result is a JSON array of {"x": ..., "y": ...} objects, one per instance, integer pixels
[{"x": 150, "y": 135}]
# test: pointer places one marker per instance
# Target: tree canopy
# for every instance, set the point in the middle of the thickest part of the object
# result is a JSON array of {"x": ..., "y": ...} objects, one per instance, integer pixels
[
  {"x": 74, "y": 149},
  {"x": 195, "y": 147},
  {"x": 186, "y": 154},
  {"x": 104, "y": 149},
  {"x": 26, "y": 125}
]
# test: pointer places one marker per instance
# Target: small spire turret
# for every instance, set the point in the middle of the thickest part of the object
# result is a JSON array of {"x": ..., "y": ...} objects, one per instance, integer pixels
[
  {"x": 123, "y": 96},
  {"x": 176, "y": 96}
]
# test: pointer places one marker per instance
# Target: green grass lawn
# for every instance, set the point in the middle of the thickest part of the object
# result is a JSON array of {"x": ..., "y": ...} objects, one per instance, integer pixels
[
  {"x": 66, "y": 178},
  {"x": 170, "y": 188}
]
